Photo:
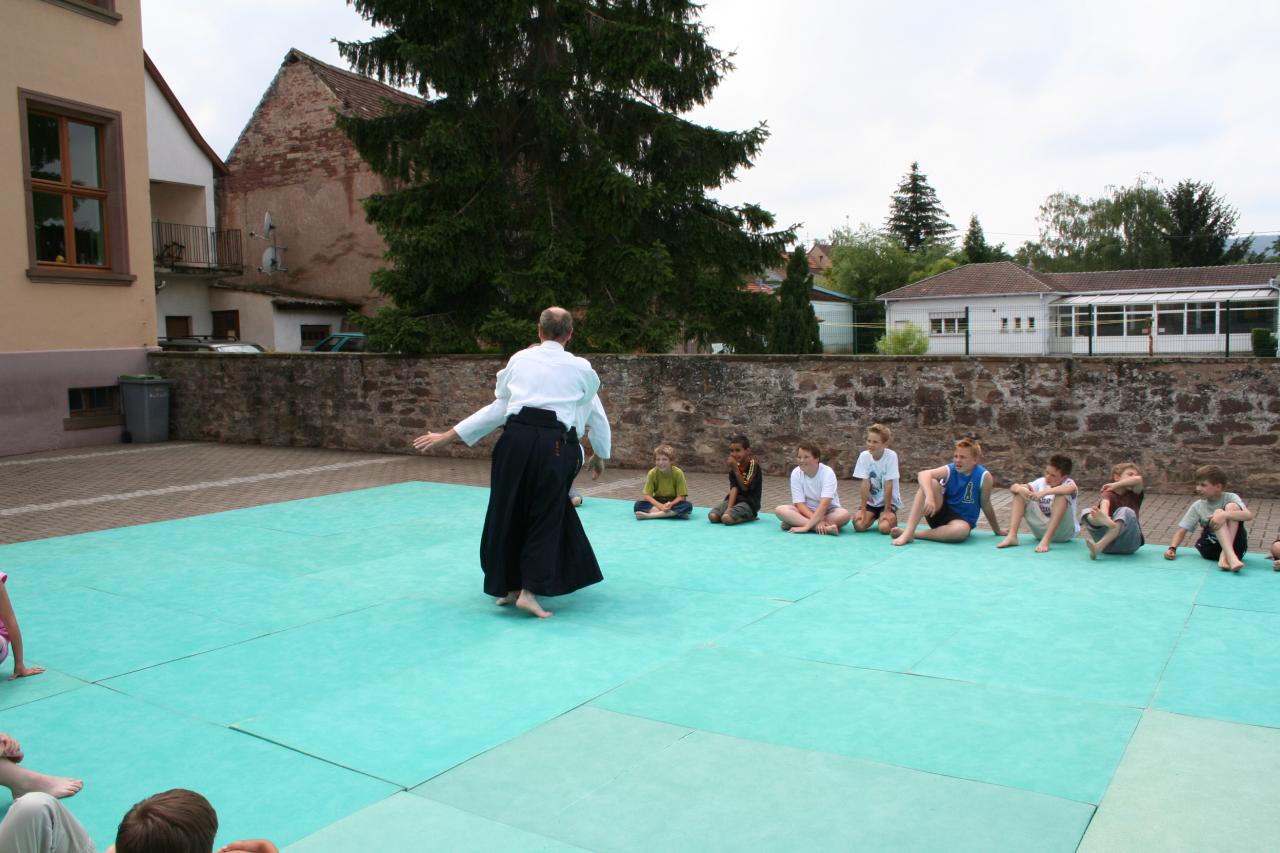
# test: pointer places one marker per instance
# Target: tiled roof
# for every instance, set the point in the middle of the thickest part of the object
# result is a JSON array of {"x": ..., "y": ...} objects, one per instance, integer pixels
[
  {"x": 994, "y": 279},
  {"x": 1234, "y": 275},
  {"x": 1005, "y": 277},
  {"x": 360, "y": 96}
]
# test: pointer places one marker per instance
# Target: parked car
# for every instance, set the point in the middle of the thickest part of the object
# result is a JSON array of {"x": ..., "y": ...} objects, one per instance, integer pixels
[
  {"x": 343, "y": 342},
  {"x": 205, "y": 343}
]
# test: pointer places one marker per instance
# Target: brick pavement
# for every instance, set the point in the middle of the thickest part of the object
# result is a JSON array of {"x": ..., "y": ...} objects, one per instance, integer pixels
[{"x": 83, "y": 489}]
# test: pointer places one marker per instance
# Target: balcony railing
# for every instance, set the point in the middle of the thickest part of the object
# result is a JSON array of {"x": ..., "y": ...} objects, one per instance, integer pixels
[{"x": 194, "y": 247}]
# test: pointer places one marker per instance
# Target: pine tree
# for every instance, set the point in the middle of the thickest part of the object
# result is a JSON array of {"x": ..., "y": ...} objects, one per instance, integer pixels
[
  {"x": 795, "y": 326},
  {"x": 1200, "y": 223},
  {"x": 916, "y": 216},
  {"x": 549, "y": 164},
  {"x": 976, "y": 249}
]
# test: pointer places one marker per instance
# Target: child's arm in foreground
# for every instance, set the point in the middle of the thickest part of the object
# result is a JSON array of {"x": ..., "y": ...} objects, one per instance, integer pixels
[
  {"x": 10, "y": 620},
  {"x": 1133, "y": 484},
  {"x": 988, "y": 509},
  {"x": 732, "y": 498},
  {"x": 931, "y": 488},
  {"x": 1171, "y": 553},
  {"x": 1222, "y": 516},
  {"x": 889, "y": 515}
]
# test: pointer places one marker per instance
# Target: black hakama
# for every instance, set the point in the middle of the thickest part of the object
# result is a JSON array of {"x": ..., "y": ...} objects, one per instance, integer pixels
[{"x": 533, "y": 538}]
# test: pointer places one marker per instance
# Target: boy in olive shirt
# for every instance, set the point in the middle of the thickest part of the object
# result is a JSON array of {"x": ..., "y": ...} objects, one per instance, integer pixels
[
  {"x": 746, "y": 487},
  {"x": 665, "y": 489}
]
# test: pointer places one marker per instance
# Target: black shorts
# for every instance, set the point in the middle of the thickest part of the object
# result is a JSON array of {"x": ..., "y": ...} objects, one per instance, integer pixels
[
  {"x": 1211, "y": 549},
  {"x": 945, "y": 515},
  {"x": 875, "y": 511}
]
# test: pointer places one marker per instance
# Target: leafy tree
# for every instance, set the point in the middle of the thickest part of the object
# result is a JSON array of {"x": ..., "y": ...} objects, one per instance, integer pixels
[
  {"x": 937, "y": 267},
  {"x": 548, "y": 163},
  {"x": 1268, "y": 255},
  {"x": 1200, "y": 222},
  {"x": 866, "y": 263},
  {"x": 1124, "y": 229},
  {"x": 916, "y": 216},
  {"x": 795, "y": 326},
  {"x": 908, "y": 340},
  {"x": 976, "y": 249}
]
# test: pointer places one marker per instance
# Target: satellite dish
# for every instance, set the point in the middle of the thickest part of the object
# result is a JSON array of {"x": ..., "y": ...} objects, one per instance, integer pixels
[
  {"x": 267, "y": 225},
  {"x": 270, "y": 260}
]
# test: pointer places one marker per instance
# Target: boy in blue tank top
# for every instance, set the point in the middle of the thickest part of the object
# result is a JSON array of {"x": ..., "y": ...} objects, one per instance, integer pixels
[{"x": 950, "y": 498}]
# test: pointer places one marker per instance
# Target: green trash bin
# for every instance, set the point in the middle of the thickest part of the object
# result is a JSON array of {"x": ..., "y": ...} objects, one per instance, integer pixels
[{"x": 145, "y": 399}]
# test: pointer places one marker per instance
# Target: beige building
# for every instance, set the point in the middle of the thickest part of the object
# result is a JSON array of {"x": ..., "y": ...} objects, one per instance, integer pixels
[{"x": 76, "y": 266}]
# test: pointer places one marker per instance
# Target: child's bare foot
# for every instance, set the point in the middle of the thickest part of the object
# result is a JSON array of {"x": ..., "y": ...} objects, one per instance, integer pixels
[
  {"x": 1042, "y": 548},
  {"x": 1236, "y": 566},
  {"x": 27, "y": 782},
  {"x": 576, "y": 500},
  {"x": 1094, "y": 550},
  {"x": 527, "y": 601},
  {"x": 828, "y": 529},
  {"x": 1275, "y": 565},
  {"x": 1010, "y": 541},
  {"x": 900, "y": 536}
]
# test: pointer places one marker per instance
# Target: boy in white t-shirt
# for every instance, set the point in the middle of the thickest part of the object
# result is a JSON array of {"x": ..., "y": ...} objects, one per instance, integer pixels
[
  {"x": 1048, "y": 505},
  {"x": 815, "y": 503},
  {"x": 880, "y": 497}
]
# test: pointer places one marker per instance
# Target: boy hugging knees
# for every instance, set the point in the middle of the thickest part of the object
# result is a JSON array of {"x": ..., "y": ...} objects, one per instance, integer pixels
[
  {"x": 665, "y": 489},
  {"x": 880, "y": 497},
  {"x": 1047, "y": 504},
  {"x": 950, "y": 499},
  {"x": 815, "y": 504},
  {"x": 1112, "y": 526},
  {"x": 1220, "y": 515},
  {"x": 746, "y": 487}
]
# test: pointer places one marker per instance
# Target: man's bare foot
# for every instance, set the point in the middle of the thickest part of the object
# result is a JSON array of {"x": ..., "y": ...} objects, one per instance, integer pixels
[
  {"x": 528, "y": 602},
  {"x": 509, "y": 598},
  {"x": 27, "y": 782},
  {"x": 1008, "y": 542},
  {"x": 1094, "y": 550}
]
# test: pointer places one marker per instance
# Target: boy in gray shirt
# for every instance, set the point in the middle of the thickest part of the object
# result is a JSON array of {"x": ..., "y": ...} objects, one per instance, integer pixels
[{"x": 1221, "y": 516}]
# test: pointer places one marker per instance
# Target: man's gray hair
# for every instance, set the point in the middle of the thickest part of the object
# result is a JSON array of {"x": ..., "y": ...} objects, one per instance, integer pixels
[{"x": 555, "y": 323}]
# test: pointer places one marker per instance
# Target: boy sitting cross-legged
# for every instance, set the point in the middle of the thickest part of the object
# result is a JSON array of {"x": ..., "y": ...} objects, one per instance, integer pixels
[
  {"x": 950, "y": 498},
  {"x": 745, "y": 486},
  {"x": 1048, "y": 504},
  {"x": 815, "y": 503},
  {"x": 665, "y": 489}
]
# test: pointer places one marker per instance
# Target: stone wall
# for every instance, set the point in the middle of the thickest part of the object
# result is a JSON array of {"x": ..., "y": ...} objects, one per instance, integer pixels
[{"x": 1166, "y": 413}]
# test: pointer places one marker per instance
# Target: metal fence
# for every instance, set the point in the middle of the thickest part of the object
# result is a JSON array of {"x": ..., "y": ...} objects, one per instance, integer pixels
[
  {"x": 194, "y": 246},
  {"x": 1223, "y": 327}
]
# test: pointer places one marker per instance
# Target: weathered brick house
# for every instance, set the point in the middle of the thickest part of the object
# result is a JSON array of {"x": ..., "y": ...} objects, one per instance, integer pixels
[{"x": 292, "y": 162}]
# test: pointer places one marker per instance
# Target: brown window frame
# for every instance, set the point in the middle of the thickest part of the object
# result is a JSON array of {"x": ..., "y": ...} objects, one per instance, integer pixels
[
  {"x": 102, "y": 10},
  {"x": 302, "y": 332},
  {"x": 90, "y": 416},
  {"x": 112, "y": 194}
]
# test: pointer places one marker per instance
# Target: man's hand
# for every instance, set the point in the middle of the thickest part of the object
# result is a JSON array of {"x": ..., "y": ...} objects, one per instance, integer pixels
[
  {"x": 595, "y": 465},
  {"x": 433, "y": 440}
]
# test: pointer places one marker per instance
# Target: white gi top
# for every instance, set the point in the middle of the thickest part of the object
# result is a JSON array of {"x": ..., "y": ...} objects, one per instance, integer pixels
[{"x": 545, "y": 377}]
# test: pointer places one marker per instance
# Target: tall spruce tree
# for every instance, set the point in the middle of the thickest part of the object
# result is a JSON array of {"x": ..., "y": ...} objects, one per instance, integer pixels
[
  {"x": 1200, "y": 223},
  {"x": 976, "y": 249},
  {"x": 548, "y": 164},
  {"x": 795, "y": 326},
  {"x": 916, "y": 216}
]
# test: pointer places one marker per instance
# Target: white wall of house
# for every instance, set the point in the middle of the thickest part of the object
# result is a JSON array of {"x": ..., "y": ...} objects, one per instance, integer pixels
[
  {"x": 183, "y": 296},
  {"x": 289, "y": 323},
  {"x": 1007, "y": 325},
  {"x": 173, "y": 155},
  {"x": 835, "y": 327},
  {"x": 257, "y": 315}
]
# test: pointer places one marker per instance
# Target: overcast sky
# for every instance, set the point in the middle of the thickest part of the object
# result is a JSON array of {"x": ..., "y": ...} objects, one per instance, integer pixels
[{"x": 1001, "y": 105}]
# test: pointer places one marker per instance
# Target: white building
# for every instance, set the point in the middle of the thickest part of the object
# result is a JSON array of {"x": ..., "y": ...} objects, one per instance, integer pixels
[
  {"x": 1003, "y": 308},
  {"x": 192, "y": 255}
]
